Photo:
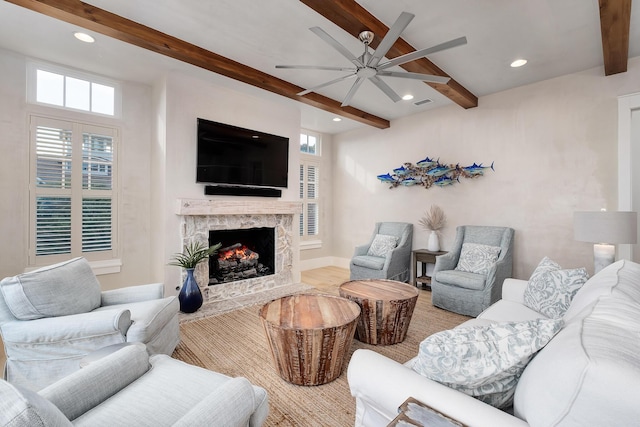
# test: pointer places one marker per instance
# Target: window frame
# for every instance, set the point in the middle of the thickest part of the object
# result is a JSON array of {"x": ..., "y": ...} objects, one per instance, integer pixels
[
  {"x": 32, "y": 87},
  {"x": 318, "y": 138},
  {"x": 315, "y": 160},
  {"x": 103, "y": 262}
]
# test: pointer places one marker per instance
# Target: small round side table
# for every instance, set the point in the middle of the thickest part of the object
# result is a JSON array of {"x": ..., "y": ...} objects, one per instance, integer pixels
[{"x": 309, "y": 336}]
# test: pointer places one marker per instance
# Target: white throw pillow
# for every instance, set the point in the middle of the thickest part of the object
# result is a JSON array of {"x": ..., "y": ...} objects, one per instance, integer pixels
[
  {"x": 477, "y": 258},
  {"x": 484, "y": 361},
  {"x": 550, "y": 290},
  {"x": 382, "y": 243}
]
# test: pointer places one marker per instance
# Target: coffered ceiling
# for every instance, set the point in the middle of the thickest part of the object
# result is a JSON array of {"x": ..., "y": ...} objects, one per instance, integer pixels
[{"x": 234, "y": 41}]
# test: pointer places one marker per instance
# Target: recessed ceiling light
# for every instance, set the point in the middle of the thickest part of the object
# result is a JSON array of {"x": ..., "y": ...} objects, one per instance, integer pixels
[
  {"x": 518, "y": 63},
  {"x": 407, "y": 97},
  {"x": 337, "y": 119},
  {"x": 84, "y": 37}
]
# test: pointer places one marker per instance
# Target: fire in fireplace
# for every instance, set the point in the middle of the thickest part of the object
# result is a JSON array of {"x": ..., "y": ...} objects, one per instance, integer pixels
[{"x": 244, "y": 254}]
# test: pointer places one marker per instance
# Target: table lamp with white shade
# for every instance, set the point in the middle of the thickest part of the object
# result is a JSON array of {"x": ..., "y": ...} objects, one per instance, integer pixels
[{"x": 605, "y": 229}]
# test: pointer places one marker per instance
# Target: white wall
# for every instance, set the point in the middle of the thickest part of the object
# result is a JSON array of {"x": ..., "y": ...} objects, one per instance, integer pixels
[
  {"x": 188, "y": 98},
  {"x": 320, "y": 257},
  {"x": 554, "y": 147},
  {"x": 630, "y": 200},
  {"x": 14, "y": 165},
  {"x": 158, "y": 181},
  {"x": 134, "y": 174}
]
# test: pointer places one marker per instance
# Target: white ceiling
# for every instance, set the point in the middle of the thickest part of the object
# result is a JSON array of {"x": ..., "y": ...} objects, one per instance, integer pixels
[{"x": 556, "y": 36}]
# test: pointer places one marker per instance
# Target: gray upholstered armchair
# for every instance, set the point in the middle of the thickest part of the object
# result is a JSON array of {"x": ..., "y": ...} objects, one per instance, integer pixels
[
  {"x": 469, "y": 277},
  {"x": 52, "y": 317},
  {"x": 129, "y": 388},
  {"x": 387, "y": 255}
]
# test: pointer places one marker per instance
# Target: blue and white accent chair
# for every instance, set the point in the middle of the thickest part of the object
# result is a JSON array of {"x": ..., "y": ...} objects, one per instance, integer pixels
[
  {"x": 387, "y": 255},
  {"x": 469, "y": 277}
]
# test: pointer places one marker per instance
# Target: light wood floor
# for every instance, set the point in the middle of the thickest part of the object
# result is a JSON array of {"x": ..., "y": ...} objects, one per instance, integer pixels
[{"x": 325, "y": 278}]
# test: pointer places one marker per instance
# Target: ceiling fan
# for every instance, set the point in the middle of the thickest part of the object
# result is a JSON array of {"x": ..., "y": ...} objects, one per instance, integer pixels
[{"x": 367, "y": 66}]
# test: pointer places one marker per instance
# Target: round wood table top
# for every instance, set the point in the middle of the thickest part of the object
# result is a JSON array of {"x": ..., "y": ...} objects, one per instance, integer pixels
[
  {"x": 379, "y": 289},
  {"x": 310, "y": 311}
]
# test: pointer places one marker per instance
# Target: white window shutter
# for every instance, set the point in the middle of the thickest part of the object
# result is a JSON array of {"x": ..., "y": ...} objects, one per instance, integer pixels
[
  {"x": 312, "y": 219},
  {"x": 96, "y": 224},
  {"x": 74, "y": 189},
  {"x": 54, "y": 153},
  {"x": 97, "y": 162},
  {"x": 53, "y": 225}
]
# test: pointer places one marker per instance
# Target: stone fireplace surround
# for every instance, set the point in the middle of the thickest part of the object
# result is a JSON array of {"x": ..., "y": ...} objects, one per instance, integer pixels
[{"x": 199, "y": 216}]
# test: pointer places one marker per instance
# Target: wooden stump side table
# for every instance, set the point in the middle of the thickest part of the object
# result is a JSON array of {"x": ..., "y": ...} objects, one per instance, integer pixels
[
  {"x": 387, "y": 307},
  {"x": 309, "y": 336}
]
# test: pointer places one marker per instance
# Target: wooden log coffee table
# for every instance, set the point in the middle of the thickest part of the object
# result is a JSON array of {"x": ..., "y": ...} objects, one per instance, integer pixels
[
  {"x": 387, "y": 307},
  {"x": 309, "y": 336}
]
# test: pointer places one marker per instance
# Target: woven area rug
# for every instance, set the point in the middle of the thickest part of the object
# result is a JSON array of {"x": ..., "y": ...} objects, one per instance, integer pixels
[
  {"x": 213, "y": 308},
  {"x": 234, "y": 344}
]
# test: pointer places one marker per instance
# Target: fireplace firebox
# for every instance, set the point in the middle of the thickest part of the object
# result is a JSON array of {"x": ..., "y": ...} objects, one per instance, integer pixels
[{"x": 245, "y": 253}]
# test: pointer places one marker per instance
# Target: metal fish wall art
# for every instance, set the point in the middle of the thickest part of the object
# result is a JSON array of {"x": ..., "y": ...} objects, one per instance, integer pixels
[{"x": 428, "y": 172}]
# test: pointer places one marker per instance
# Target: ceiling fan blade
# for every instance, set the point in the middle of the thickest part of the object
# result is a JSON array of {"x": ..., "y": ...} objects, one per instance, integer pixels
[
  {"x": 423, "y": 52},
  {"x": 352, "y": 91},
  {"x": 336, "y": 45},
  {"x": 385, "y": 88},
  {"x": 424, "y": 77},
  {"x": 390, "y": 38},
  {"x": 315, "y": 67},
  {"x": 313, "y": 89}
]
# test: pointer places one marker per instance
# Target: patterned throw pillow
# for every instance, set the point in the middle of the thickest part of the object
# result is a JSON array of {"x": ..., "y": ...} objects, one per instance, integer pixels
[
  {"x": 484, "y": 361},
  {"x": 550, "y": 290},
  {"x": 547, "y": 264},
  {"x": 477, "y": 258},
  {"x": 382, "y": 243}
]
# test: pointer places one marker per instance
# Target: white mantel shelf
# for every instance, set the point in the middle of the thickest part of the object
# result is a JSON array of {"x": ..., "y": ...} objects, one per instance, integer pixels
[{"x": 235, "y": 207}]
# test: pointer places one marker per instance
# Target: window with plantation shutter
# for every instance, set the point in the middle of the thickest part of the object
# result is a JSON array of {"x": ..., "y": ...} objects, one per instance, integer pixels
[
  {"x": 312, "y": 204},
  {"x": 309, "y": 191},
  {"x": 303, "y": 214},
  {"x": 73, "y": 190},
  {"x": 309, "y": 197}
]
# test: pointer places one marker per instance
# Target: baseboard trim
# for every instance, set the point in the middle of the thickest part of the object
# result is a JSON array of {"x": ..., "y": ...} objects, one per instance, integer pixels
[{"x": 310, "y": 264}]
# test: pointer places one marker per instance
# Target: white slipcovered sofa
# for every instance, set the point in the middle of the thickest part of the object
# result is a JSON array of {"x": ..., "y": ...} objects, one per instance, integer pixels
[
  {"x": 129, "y": 388},
  {"x": 587, "y": 375}
]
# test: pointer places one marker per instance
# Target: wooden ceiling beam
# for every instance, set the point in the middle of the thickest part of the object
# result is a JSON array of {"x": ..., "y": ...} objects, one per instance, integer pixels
[
  {"x": 353, "y": 18},
  {"x": 615, "y": 21},
  {"x": 115, "y": 26}
]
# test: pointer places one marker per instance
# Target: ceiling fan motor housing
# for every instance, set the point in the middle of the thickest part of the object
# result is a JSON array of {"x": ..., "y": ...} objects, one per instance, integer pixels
[{"x": 366, "y": 37}]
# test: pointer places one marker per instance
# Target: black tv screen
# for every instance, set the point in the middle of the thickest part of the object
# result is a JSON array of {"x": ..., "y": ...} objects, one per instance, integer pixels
[{"x": 230, "y": 155}]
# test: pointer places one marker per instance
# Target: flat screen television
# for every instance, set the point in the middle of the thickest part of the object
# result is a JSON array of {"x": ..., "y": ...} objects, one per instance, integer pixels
[{"x": 233, "y": 156}]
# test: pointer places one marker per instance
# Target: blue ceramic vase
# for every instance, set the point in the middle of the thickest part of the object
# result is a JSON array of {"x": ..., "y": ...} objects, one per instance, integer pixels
[{"x": 190, "y": 296}]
